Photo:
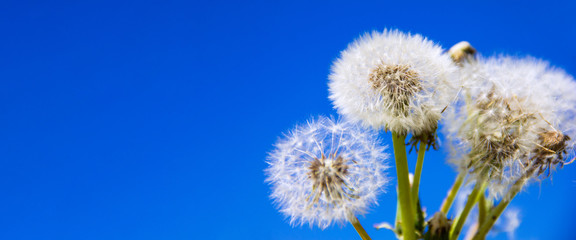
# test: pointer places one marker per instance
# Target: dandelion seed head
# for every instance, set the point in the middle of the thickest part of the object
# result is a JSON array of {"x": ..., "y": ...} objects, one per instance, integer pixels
[
  {"x": 512, "y": 117},
  {"x": 326, "y": 171},
  {"x": 394, "y": 81}
]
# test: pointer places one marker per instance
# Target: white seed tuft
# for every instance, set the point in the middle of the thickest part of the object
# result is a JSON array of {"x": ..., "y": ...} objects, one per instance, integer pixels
[
  {"x": 393, "y": 81},
  {"x": 326, "y": 171}
]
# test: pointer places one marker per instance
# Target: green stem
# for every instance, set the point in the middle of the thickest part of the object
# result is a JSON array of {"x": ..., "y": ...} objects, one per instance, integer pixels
[
  {"x": 482, "y": 210},
  {"x": 418, "y": 172},
  {"x": 406, "y": 210},
  {"x": 471, "y": 201},
  {"x": 363, "y": 234},
  {"x": 499, "y": 209},
  {"x": 397, "y": 221},
  {"x": 494, "y": 215},
  {"x": 447, "y": 204}
]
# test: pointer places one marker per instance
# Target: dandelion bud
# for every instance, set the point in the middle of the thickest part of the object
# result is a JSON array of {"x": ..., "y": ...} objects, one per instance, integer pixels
[
  {"x": 461, "y": 52},
  {"x": 438, "y": 227}
]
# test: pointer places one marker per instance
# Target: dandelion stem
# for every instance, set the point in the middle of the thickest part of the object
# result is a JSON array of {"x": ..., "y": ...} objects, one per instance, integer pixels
[
  {"x": 489, "y": 223},
  {"x": 471, "y": 201},
  {"x": 447, "y": 204},
  {"x": 418, "y": 171},
  {"x": 499, "y": 209},
  {"x": 397, "y": 220},
  {"x": 482, "y": 210},
  {"x": 363, "y": 234},
  {"x": 406, "y": 210}
]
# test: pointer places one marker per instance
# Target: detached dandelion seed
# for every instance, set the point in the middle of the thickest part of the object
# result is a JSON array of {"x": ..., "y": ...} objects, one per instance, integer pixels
[{"x": 326, "y": 172}]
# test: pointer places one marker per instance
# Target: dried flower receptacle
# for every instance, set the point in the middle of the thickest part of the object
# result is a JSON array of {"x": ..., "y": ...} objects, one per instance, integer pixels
[
  {"x": 396, "y": 85},
  {"x": 328, "y": 176}
]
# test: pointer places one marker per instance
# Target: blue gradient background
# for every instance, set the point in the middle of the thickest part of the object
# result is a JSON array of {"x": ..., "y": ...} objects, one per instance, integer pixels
[{"x": 152, "y": 119}]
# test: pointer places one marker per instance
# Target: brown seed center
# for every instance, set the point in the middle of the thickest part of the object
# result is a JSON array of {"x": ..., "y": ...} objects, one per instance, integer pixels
[
  {"x": 553, "y": 140},
  {"x": 396, "y": 84},
  {"x": 551, "y": 152},
  {"x": 496, "y": 127},
  {"x": 328, "y": 178}
]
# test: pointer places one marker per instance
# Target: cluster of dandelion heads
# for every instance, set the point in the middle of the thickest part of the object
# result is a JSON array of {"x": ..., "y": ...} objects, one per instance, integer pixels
[
  {"x": 513, "y": 119},
  {"x": 326, "y": 171},
  {"x": 393, "y": 81}
]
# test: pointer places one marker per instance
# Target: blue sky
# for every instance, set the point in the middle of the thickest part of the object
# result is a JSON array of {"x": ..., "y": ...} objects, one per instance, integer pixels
[{"x": 152, "y": 119}]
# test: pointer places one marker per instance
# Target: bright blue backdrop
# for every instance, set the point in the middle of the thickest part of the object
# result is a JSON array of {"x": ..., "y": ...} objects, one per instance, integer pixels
[{"x": 152, "y": 119}]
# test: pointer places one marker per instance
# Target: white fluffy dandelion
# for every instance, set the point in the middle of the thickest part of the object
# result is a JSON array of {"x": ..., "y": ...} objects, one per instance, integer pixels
[
  {"x": 394, "y": 81},
  {"x": 515, "y": 120},
  {"x": 326, "y": 171}
]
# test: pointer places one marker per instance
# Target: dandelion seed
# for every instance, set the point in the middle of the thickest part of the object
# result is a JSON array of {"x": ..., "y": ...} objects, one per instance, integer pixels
[
  {"x": 326, "y": 171},
  {"x": 393, "y": 81}
]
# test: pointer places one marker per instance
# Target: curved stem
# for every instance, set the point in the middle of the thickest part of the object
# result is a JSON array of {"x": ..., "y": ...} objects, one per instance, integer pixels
[
  {"x": 489, "y": 223},
  {"x": 452, "y": 193},
  {"x": 363, "y": 234},
  {"x": 406, "y": 210},
  {"x": 471, "y": 201},
  {"x": 418, "y": 172}
]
